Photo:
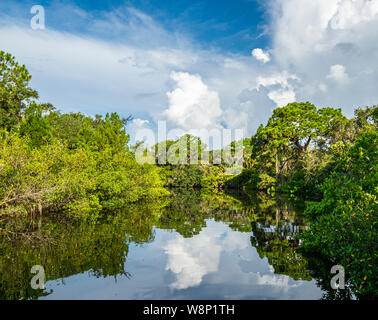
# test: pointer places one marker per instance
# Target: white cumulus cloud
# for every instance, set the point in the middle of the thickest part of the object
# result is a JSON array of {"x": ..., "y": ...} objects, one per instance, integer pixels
[
  {"x": 192, "y": 105},
  {"x": 332, "y": 39},
  {"x": 331, "y": 46},
  {"x": 260, "y": 55},
  {"x": 338, "y": 73},
  {"x": 191, "y": 259},
  {"x": 139, "y": 122},
  {"x": 282, "y": 95},
  {"x": 353, "y": 12}
]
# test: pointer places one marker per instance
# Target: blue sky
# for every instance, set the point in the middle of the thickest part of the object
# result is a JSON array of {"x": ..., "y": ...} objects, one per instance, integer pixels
[
  {"x": 230, "y": 26},
  {"x": 197, "y": 64}
]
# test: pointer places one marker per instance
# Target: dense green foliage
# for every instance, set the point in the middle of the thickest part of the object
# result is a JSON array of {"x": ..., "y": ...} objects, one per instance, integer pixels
[
  {"x": 322, "y": 157},
  {"x": 344, "y": 226},
  {"x": 71, "y": 163},
  {"x": 100, "y": 175},
  {"x": 186, "y": 163},
  {"x": 15, "y": 92},
  {"x": 287, "y": 143},
  {"x": 80, "y": 166}
]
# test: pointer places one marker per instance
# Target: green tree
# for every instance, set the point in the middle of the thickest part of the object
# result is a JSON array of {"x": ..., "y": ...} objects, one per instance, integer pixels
[
  {"x": 66, "y": 126},
  {"x": 99, "y": 134},
  {"x": 35, "y": 125},
  {"x": 365, "y": 119},
  {"x": 180, "y": 161},
  {"x": 15, "y": 93},
  {"x": 344, "y": 222},
  {"x": 291, "y": 130}
]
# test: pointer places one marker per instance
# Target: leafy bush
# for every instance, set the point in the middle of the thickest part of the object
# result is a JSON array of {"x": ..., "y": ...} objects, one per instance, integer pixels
[
  {"x": 344, "y": 223},
  {"x": 183, "y": 176},
  {"x": 301, "y": 187},
  {"x": 100, "y": 176},
  {"x": 214, "y": 178}
]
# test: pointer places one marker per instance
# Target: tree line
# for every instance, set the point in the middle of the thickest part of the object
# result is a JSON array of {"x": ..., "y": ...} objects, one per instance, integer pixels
[
  {"x": 83, "y": 167},
  {"x": 64, "y": 163}
]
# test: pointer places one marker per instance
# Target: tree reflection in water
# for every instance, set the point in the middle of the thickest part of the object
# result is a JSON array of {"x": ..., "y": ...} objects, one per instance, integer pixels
[{"x": 65, "y": 248}]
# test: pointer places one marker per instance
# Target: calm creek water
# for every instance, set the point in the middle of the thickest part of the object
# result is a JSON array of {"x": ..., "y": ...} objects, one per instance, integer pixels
[{"x": 195, "y": 247}]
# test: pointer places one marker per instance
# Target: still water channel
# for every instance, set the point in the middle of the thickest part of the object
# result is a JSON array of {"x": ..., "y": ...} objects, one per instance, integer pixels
[{"x": 193, "y": 246}]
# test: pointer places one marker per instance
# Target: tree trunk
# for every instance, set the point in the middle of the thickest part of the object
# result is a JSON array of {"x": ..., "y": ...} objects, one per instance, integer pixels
[{"x": 277, "y": 166}]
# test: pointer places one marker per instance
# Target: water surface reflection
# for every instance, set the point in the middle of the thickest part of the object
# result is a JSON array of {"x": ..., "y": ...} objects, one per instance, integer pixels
[{"x": 195, "y": 247}]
